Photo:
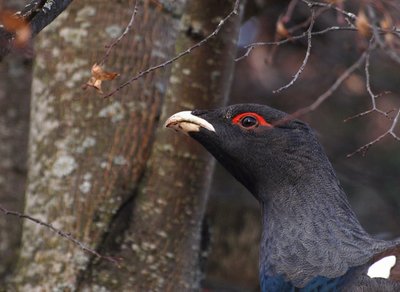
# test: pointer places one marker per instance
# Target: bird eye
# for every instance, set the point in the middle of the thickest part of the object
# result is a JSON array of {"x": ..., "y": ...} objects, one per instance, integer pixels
[{"x": 248, "y": 122}]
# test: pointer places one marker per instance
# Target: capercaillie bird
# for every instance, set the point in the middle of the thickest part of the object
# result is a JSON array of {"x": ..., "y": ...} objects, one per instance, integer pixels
[{"x": 311, "y": 239}]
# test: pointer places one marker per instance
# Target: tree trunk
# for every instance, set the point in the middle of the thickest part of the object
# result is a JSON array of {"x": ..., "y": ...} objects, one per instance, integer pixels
[
  {"x": 163, "y": 239},
  {"x": 87, "y": 154},
  {"x": 15, "y": 83}
]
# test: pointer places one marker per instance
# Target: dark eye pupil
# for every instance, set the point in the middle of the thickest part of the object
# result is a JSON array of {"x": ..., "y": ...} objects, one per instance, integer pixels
[{"x": 249, "y": 121}]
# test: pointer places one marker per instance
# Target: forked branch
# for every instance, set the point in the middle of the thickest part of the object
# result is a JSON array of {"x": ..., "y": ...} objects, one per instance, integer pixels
[{"x": 390, "y": 132}]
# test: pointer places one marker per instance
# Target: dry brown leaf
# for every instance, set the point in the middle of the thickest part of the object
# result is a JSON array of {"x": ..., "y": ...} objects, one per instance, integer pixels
[
  {"x": 387, "y": 25},
  {"x": 281, "y": 30},
  {"x": 362, "y": 24},
  {"x": 17, "y": 25},
  {"x": 98, "y": 76}
]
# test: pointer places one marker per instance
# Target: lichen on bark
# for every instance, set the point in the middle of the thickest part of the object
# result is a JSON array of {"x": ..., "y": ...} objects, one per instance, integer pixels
[
  {"x": 90, "y": 169},
  {"x": 87, "y": 154},
  {"x": 163, "y": 236}
]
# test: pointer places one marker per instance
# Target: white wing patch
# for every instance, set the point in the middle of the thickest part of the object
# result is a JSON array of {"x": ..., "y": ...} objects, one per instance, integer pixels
[{"x": 381, "y": 268}]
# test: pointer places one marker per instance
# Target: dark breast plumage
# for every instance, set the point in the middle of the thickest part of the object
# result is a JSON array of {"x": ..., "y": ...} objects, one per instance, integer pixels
[{"x": 312, "y": 240}]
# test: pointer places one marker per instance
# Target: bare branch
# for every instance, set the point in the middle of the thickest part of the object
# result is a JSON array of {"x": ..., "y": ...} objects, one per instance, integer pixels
[
  {"x": 39, "y": 14},
  {"x": 373, "y": 96},
  {"x": 312, "y": 4},
  {"x": 61, "y": 233},
  {"x": 376, "y": 32},
  {"x": 246, "y": 54},
  {"x": 47, "y": 13},
  {"x": 251, "y": 46},
  {"x": 323, "y": 97},
  {"x": 395, "y": 121},
  {"x": 306, "y": 22},
  {"x": 289, "y": 11},
  {"x": 127, "y": 29},
  {"x": 181, "y": 54},
  {"x": 349, "y": 15},
  {"x": 31, "y": 9},
  {"x": 333, "y": 87},
  {"x": 363, "y": 149},
  {"x": 304, "y": 63}
]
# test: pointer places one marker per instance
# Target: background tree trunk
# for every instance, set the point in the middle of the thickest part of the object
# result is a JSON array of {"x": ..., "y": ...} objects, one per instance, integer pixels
[
  {"x": 15, "y": 83},
  {"x": 164, "y": 236},
  {"x": 87, "y": 154},
  {"x": 15, "y": 88}
]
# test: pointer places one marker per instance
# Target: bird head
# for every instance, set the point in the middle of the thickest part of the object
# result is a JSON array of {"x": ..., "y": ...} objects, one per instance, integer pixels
[{"x": 257, "y": 144}]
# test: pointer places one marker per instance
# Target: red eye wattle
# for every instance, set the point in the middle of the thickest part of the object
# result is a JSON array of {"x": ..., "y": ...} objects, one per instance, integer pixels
[{"x": 250, "y": 120}]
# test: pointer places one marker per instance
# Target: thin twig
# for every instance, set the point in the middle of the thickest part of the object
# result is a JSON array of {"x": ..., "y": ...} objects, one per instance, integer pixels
[
  {"x": 246, "y": 54},
  {"x": 251, "y": 46},
  {"x": 337, "y": 83},
  {"x": 368, "y": 84},
  {"x": 289, "y": 11},
  {"x": 373, "y": 96},
  {"x": 323, "y": 97},
  {"x": 127, "y": 29},
  {"x": 347, "y": 14},
  {"x": 306, "y": 22},
  {"x": 363, "y": 149},
  {"x": 304, "y": 63},
  {"x": 312, "y": 4},
  {"x": 376, "y": 32},
  {"x": 351, "y": 27},
  {"x": 395, "y": 121},
  {"x": 61, "y": 233},
  {"x": 181, "y": 54}
]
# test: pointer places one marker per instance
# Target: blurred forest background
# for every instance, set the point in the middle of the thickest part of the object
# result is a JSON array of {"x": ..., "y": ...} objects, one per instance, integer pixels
[{"x": 229, "y": 233}]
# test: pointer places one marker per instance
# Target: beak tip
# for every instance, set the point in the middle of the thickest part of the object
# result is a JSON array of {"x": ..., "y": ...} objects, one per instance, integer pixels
[{"x": 168, "y": 123}]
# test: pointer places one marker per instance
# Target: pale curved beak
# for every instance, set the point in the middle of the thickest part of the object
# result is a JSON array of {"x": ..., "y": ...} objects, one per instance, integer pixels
[{"x": 186, "y": 122}]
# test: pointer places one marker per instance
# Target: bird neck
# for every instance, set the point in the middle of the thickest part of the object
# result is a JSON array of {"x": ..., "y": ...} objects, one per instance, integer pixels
[{"x": 309, "y": 229}]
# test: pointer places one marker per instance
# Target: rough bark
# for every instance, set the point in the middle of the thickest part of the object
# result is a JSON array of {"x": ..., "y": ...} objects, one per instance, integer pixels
[
  {"x": 16, "y": 75},
  {"x": 163, "y": 239},
  {"x": 87, "y": 154},
  {"x": 15, "y": 83}
]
